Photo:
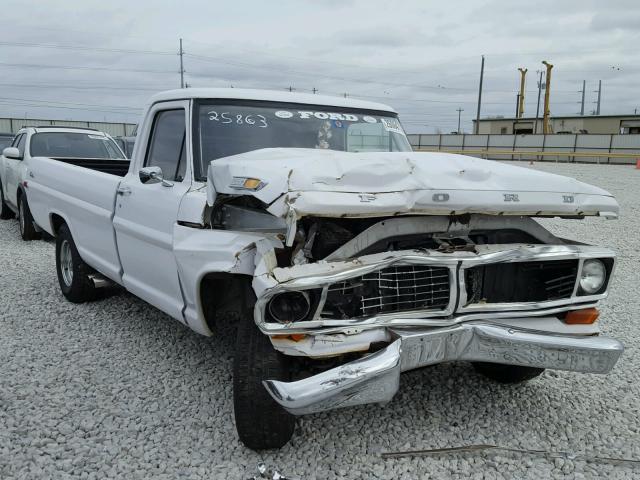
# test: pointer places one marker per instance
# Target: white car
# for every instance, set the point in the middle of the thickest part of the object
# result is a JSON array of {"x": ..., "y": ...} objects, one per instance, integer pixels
[
  {"x": 73, "y": 145},
  {"x": 342, "y": 257}
]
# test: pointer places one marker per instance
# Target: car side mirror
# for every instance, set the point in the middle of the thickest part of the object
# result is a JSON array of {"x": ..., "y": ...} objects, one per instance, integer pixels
[
  {"x": 12, "y": 152},
  {"x": 151, "y": 175}
]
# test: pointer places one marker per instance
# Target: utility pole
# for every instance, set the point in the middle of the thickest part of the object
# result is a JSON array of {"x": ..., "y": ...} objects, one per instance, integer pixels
[
  {"x": 477, "y": 129},
  {"x": 599, "y": 91},
  {"x": 584, "y": 83},
  {"x": 459, "y": 110},
  {"x": 523, "y": 74},
  {"x": 547, "y": 97},
  {"x": 517, "y": 105},
  {"x": 535, "y": 125},
  {"x": 181, "y": 66}
]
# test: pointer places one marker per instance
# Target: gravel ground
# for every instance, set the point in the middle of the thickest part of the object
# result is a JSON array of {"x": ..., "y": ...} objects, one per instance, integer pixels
[{"x": 117, "y": 389}]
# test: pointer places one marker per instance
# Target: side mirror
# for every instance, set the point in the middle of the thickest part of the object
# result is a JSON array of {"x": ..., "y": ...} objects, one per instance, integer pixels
[
  {"x": 12, "y": 152},
  {"x": 151, "y": 175}
]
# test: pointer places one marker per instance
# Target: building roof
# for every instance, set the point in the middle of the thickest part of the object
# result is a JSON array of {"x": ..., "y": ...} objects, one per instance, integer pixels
[
  {"x": 558, "y": 117},
  {"x": 268, "y": 95}
]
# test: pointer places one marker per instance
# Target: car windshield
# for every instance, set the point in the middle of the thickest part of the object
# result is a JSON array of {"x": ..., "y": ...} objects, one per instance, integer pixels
[
  {"x": 74, "y": 145},
  {"x": 225, "y": 130}
]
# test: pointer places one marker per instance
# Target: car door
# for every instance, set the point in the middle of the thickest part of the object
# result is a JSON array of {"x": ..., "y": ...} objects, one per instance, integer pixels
[
  {"x": 13, "y": 167},
  {"x": 146, "y": 213}
]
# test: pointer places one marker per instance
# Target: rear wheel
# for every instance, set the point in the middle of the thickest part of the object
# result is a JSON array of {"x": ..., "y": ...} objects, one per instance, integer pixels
[
  {"x": 5, "y": 211},
  {"x": 27, "y": 227},
  {"x": 261, "y": 423},
  {"x": 73, "y": 273},
  {"x": 507, "y": 373}
]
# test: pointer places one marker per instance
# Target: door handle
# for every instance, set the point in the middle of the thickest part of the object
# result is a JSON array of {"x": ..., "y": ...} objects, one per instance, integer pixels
[
  {"x": 123, "y": 191},
  {"x": 31, "y": 174}
]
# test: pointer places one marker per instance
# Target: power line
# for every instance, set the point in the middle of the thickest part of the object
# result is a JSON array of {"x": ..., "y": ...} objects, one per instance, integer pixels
[
  {"x": 82, "y": 67},
  {"x": 91, "y": 49}
]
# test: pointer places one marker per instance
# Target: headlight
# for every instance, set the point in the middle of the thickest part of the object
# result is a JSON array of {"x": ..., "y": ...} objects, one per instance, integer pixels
[
  {"x": 289, "y": 307},
  {"x": 593, "y": 276}
]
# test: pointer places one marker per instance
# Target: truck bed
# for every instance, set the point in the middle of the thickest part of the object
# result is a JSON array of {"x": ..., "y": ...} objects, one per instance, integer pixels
[
  {"x": 113, "y": 167},
  {"x": 82, "y": 192}
]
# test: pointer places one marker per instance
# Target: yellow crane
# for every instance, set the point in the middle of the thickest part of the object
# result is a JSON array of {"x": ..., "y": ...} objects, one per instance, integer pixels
[
  {"x": 523, "y": 74},
  {"x": 547, "y": 95}
]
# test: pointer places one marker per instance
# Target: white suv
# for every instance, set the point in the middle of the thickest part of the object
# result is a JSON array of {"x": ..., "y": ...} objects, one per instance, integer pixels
[{"x": 54, "y": 142}]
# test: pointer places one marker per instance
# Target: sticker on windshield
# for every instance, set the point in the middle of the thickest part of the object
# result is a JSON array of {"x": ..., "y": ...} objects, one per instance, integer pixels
[
  {"x": 369, "y": 119},
  {"x": 96, "y": 137},
  {"x": 226, "y": 118},
  {"x": 391, "y": 125},
  {"x": 337, "y": 124},
  {"x": 283, "y": 114},
  {"x": 345, "y": 117}
]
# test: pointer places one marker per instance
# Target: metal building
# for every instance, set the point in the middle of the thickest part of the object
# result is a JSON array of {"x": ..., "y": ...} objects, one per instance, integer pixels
[{"x": 601, "y": 124}]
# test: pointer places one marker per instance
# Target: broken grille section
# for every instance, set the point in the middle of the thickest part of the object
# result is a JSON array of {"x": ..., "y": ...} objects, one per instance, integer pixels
[
  {"x": 535, "y": 281},
  {"x": 389, "y": 290}
]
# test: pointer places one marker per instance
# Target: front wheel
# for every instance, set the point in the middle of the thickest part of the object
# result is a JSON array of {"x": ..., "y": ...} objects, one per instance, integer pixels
[
  {"x": 507, "y": 373},
  {"x": 27, "y": 226},
  {"x": 261, "y": 423},
  {"x": 73, "y": 273}
]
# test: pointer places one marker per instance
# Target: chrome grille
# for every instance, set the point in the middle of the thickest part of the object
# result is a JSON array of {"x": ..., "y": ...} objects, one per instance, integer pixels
[{"x": 389, "y": 290}]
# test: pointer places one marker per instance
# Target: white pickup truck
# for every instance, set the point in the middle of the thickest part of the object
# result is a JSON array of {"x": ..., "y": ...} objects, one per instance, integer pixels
[
  {"x": 79, "y": 146},
  {"x": 341, "y": 257}
]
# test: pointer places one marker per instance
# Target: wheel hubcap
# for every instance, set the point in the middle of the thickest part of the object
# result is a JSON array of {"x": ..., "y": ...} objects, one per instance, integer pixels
[{"x": 66, "y": 263}]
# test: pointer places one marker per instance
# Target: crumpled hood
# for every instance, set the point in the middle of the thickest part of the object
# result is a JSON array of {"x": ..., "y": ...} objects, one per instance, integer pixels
[{"x": 332, "y": 183}]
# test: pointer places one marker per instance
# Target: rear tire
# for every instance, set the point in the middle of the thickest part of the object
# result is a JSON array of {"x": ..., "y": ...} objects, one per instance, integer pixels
[
  {"x": 261, "y": 423},
  {"x": 28, "y": 230},
  {"x": 5, "y": 211},
  {"x": 507, "y": 373},
  {"x": 73, "y": 273}
]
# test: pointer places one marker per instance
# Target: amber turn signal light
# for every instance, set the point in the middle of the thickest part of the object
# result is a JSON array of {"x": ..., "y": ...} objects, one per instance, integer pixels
[{"x": 586, "y": 316}]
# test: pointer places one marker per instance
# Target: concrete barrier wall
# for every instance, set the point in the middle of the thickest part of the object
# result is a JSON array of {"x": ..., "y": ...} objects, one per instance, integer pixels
[{"x": 599, "y": 148}]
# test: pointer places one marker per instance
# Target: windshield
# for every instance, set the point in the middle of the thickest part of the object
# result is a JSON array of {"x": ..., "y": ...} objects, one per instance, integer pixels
[
  {"x": 225, "y": 130},
  {"x": 74, "y": 145}
]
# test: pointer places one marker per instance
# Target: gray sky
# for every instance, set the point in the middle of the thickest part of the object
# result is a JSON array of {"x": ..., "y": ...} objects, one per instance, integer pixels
[{"x": 97, "y": 60}]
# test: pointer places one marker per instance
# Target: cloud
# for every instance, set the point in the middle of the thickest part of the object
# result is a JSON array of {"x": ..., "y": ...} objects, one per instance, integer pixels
[{"x": 422, "y": 58}]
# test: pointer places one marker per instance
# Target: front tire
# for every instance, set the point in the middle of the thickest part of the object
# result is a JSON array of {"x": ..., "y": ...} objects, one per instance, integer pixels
[
  {"x": 261, "y": 423},
  {"x": 28, "y": 230},
  {"x": 73, "y": 273},
  {"x": 5, "y": 211},
  {"x": 507, "y": 374}
]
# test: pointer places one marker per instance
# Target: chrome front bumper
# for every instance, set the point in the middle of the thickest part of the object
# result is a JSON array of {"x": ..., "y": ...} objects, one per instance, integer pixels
[{"x": 375, "y": 378}]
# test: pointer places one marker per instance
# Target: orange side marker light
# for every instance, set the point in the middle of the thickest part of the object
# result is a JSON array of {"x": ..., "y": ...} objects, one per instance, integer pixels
[{"x": 586, "y": 316}]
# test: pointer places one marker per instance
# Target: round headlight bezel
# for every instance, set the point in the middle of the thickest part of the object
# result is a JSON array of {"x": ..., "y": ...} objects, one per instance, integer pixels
[
  {"x": 593, "y": 276},
  {"x": 294, "y": 295}
]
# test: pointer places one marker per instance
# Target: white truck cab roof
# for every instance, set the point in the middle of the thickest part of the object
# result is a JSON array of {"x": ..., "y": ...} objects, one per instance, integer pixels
[{"x": 268, "y": 96}]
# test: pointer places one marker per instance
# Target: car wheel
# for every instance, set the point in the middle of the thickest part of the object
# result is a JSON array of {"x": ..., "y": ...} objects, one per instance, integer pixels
[
  {"x": 507, "y": 373},
  {"x": 5, "y": 211},
  {"x": 27, "y": 227},
  {"x": 73, "y": 273},
  {"x": 261, "y": 423}
]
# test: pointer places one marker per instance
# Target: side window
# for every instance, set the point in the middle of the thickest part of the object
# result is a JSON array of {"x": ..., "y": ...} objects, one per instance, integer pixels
[
  {"x": 21, "y": 144},
  {"x": 167, "y": 146},
  {"x": 16, "y": 139}
]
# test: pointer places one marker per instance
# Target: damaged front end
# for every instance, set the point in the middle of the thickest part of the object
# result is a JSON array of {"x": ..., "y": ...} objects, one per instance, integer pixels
[
  {"x": 409, "y": 292},
  {"x": 370, "y": 283}
]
